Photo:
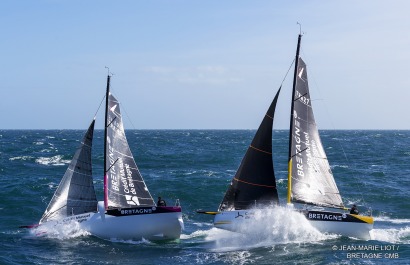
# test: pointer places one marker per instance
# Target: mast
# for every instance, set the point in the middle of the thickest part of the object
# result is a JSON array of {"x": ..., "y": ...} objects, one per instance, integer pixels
[
  {"x": 105, "y": 142},
  {"x": 291, "y": 120}
]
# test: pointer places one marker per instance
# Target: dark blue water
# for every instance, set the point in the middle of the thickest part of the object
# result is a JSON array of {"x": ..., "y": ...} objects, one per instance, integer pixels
[{"x": 372, "y": 169}]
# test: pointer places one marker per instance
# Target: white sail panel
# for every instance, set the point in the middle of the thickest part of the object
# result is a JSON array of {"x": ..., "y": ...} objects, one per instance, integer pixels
[
  {"x": 75, "y": 193},
  {"x": 312, "y": 179},
  {"x": 124, "y": 184}
]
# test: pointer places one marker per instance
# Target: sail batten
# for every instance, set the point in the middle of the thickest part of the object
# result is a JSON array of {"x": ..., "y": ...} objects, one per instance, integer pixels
[
  {"x": 254, "y": 183},
  {"x": 75, "y": 193},
  {"x": 312, "y": 181}
]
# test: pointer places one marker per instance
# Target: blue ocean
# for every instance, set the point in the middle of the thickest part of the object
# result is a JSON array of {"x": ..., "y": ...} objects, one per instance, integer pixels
[{"x": 371, "y": 168}]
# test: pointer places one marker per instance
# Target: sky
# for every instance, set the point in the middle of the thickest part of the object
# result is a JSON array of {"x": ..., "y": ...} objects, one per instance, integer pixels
[{"x": 213, "y": 64}]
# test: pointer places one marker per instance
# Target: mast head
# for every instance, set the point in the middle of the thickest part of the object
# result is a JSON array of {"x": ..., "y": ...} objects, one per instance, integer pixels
[
  {"x": 109, "y": 74},
  {"x": 300, "y": 30}
]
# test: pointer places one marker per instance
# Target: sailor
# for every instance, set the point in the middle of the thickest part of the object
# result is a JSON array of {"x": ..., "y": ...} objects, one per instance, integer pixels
[
  {"x": 354, "y": 210},
  {"x": 161, "y": 202}
]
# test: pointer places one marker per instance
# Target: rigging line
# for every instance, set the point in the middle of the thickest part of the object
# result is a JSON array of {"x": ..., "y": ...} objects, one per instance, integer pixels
[
  {"x": 300, "y": 97},
  {"x": 128, "y": 117},
  {"x": 112, "y": 121},
  {"x": 299, "y": 152},
  {"x": 112, "y": 165},
  {"x": 123, "y": 107},
  {"x": 53, "y": 212},
  {"x": 293, "y": 61},
  {"x": 95, "y": 115}
]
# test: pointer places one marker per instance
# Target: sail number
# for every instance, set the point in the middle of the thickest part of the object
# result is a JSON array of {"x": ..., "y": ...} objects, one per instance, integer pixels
[{"x": 302, "y": 98}]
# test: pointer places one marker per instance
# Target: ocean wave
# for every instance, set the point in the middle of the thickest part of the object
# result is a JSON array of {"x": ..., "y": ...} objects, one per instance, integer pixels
[
  {"x": 48, "y": 150},
  {"x": 392, "y": 235},
  {"x": 198, "y": 224},
  {"x": 196, "y": 234},
  {"x": 189, "y": 173},
  {"x": 389, "y": 220},
  {"x": 54, "y": 160},
  {"x": 340, "y": 166},
  {"x": 268, "y": 228},
  {"x": 282, "y": 181},
  {"x": 236, "y": 257},
  {"x": 143, "y": 241},
  {"x": 23, "y": 158},
  {"x": 50, "y": 230}
]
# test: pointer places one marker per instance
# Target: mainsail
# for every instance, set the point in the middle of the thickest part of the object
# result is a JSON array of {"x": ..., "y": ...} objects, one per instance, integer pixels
[
  {"x": 124, "y": 185},
  {"x": 312, "y": 180},
  {"x": 254, "y": 183},
  {"x": 75, "y": 194}
]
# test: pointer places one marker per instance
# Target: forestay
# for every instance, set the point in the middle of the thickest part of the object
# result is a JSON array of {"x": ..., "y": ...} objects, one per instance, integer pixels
[
  {"x": 312, "y": 179},
  {"x": 75, "y": 194}
]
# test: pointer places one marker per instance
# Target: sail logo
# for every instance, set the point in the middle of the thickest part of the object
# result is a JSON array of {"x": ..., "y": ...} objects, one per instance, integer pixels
[
  {"x": 301, "y": 72},
  {"x": 113, "y": 107},
  {"x": 132, "y": 200},
  {"x": 298, "y": 147},
  {"x": 126, "y": 177},
  {"x": 112, "y": 170},
  {"x": 322, "y": 216},
  {"x": 136, "y": 211}
]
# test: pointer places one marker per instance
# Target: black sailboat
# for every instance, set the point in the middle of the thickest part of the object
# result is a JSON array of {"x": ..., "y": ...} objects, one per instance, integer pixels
[{"x": 310, "y": 179}]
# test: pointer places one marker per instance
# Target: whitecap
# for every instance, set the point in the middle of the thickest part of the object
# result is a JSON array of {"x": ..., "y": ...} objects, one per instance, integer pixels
[
  {"x": 392, "y": 235},
  {"x": 189, "y": 173},
  {"x": 143, "y": 241},
  {"x": 341, "y": 166},
  {"x": 23, "y": 158},
  {"x": 389, "y": 220},
  {"x": 282, "y": 181},
  {"x": 54, "y": 160}
]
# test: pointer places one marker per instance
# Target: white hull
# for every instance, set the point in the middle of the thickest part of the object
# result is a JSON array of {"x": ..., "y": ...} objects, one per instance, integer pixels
[
  {"x": 326, "y": 222},
  {"x": 356, "y": 230},
  {"x": 152, "y": 223}
]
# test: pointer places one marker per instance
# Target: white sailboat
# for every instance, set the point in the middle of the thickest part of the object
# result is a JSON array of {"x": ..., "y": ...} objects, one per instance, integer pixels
[
  {"x": 128, "y": 210},
  {"x": 312, "y": 189}
]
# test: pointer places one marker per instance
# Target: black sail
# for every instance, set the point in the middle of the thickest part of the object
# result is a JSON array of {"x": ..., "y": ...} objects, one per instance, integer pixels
[
  {"x": 75, "y": 194},
  {"x": 312, "y": 180},
  {"x": 254, "y": 183},
  {"x": 125, "y": 187}
]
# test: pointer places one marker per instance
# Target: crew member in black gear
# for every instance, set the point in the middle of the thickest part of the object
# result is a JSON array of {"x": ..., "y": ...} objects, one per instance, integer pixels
[
  {"x": 354, "y": 210},
  {"x": 161, "y": 202}
]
